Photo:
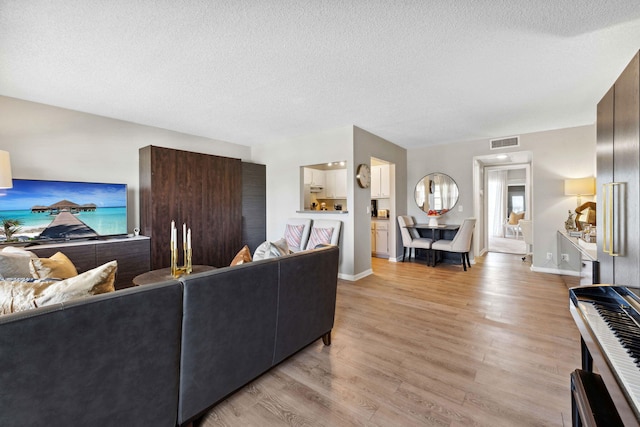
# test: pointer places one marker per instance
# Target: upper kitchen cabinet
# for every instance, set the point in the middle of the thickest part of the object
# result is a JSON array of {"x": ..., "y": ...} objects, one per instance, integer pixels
[
  {"x": 324, "y": 186},
  {"x": 314, "y": 181},
  {"x": 380, "y": 182},
  {"x": 314, "y": 177},
  {"x": 335, "y": 184}
]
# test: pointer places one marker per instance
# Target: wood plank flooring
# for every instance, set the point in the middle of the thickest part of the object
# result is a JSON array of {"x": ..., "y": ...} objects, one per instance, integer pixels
[{"x": 419, "y": 346}]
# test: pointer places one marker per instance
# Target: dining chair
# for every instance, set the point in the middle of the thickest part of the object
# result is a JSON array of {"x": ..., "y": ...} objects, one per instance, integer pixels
[
  {"x": 297, "y": 233},
  {"x": 324, "y": 232},
  {"x": 411, "y": 238},
  {"x": 461, "y": 243}
]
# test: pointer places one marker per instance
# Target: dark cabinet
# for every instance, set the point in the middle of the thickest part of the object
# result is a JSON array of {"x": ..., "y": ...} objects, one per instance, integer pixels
[
  {"x": 132, "y": 254},
  {"x": 201, "y": 190},
  {"x": 618, "y": 160},
  {"x": 254, "y": 205}
]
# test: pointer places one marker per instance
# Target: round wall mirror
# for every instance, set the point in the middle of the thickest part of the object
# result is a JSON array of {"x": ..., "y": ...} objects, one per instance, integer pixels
[{"x": 436, "y": 193}]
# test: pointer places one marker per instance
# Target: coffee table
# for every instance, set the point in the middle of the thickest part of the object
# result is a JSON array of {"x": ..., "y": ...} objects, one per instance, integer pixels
[{"x": 164, "y": 274}]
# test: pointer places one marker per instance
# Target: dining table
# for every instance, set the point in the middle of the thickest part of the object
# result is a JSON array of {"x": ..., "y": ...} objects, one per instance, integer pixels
[{"x": 434, "y": 228}]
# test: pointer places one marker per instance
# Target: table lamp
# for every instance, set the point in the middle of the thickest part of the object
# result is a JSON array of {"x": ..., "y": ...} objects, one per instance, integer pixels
[{"x": 580, "y": 187}]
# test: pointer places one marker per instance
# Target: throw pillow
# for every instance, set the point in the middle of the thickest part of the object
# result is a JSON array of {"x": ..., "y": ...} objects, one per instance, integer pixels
[
  {"x": 320, "y": 236},
  {"x": 293, "y": 235},
  {"x": 57, "y": 266},
  {"x": 15, "y": 262},
  {"x": 243, "y": 256},
  {"x": 271, "y": 250},
  {"x": 20, "y": 295},
  {"x": 17, "y": 294},
  {"x": 515, "y": 217}
]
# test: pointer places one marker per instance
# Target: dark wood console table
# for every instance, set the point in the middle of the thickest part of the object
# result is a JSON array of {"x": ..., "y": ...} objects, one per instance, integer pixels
[
  {"x": 164, "y": 274},
  {"x": 133, "y": 255}
]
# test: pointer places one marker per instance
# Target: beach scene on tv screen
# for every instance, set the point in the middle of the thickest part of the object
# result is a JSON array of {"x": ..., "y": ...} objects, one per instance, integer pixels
[{"x": 63, "y": 209}]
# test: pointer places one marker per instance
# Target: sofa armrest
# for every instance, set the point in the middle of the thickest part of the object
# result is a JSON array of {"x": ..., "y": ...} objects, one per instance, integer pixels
[
  {"x": 110, "y": 359},
  {"x": 307, "y": 299}
]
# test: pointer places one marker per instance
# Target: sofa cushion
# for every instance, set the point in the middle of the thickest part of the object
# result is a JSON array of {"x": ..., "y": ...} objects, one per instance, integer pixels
[
  {"x": 271, "y": 250},
  {"x": 57, "y": 266},
  {"x": 242, "y": 257},
  {"x": 320, "y": 236},
  {"x": 19, "y": 295},
  {"x": 15, "y": 262}
]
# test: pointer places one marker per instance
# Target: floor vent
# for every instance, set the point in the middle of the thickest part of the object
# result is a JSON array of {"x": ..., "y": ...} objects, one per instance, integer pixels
[{"x": 512, "y": 141}]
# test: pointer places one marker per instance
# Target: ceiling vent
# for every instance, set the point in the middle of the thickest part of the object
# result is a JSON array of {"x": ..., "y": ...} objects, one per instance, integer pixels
[{"x": 512, "y": 141}]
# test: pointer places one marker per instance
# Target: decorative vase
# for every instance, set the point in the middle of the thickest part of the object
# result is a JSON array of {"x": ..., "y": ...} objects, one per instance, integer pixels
[{"x": 570, "y": 223}]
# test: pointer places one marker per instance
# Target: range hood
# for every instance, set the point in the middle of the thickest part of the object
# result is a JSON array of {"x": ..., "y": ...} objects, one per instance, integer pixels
[{"x": 316, "y": 188}]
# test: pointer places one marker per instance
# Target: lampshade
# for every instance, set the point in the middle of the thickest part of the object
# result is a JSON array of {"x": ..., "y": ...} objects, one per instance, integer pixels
[
  {"x": 5, "y": 170},
  {"x": 580, "y": 187}
]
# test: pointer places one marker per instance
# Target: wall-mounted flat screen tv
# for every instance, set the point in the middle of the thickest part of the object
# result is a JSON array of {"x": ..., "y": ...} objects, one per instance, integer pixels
[{"x": 64, "y": 210}]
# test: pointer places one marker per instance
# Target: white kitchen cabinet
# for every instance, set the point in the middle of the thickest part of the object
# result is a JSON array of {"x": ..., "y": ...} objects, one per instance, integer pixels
[
  {"x": 382, "y": 239},
  {"x": 335, "y": 184},
  {"x": 385, "y": 182},
  {"x": 380, "y": 182},
  {"x": 314, "y": 177},
  {"x": 373, "y": 238}
]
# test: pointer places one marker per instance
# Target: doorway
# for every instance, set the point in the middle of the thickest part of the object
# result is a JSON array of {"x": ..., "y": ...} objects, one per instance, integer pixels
[
  {"x": 506, "y": 188},
  {"x": 383, "y": 212},
  {"x": 502, "y": 196}
]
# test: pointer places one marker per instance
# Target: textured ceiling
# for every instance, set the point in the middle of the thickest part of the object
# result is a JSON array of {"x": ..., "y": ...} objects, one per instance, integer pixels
[{"x": 255, "y": 71}]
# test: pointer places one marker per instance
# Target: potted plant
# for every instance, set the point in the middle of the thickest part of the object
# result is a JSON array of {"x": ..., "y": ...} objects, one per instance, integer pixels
[{"x": 11, "y": 226}]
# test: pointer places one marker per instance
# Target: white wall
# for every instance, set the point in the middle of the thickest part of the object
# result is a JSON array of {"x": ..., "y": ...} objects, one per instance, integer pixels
[
  {"x": 53, "y": 143},
  {"x": 284, "y": 159},
  {"x": 557, "y": 155},
  {"x": 348, "y": 143}
]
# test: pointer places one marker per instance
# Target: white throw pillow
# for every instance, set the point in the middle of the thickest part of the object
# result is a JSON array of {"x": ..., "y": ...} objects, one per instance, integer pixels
[
  {"x": 271, "y": 250},
  {"x": 15, "y": 262},
  {"x": 20, "y": 295}
]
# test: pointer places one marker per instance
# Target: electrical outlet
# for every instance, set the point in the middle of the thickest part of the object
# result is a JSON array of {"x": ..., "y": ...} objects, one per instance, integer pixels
[
  {"x": 565, "y": 257},
  {"x": 549, "y": 255}
]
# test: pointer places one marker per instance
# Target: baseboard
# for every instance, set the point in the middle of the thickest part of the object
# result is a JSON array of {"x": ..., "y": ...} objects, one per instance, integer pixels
[
  {"x": 555, "y": 271},
  {"x": 354, "y": 278}
]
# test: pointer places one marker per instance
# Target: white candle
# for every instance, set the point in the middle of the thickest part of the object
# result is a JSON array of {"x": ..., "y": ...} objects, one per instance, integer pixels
[
  {"x": 173, "y": 231},
  {"x": 184, "y": 236},
  {"x": 189, "y": 239}
]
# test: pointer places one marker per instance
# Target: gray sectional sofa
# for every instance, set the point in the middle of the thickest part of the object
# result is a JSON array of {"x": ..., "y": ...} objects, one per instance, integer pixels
[{"x": 162, "y": 354}]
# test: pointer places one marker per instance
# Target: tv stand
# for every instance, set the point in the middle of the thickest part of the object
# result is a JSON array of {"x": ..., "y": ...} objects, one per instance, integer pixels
[{"x": 132, "y": 253}]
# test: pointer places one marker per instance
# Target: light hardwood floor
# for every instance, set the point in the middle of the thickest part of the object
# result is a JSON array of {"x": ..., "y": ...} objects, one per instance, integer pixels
[{"x": 417, "y": 346}]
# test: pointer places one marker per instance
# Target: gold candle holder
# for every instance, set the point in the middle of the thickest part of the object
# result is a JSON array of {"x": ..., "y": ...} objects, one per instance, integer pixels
[
  {"x": 187, "y": 267},
  {"x": 174, "y": 261}
]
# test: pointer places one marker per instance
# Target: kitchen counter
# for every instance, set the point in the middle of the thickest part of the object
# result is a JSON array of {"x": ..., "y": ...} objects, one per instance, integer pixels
[{"x": 309, "y": 211}]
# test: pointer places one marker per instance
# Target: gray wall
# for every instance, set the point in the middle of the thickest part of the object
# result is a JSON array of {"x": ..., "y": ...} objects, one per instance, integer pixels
[
  {"x": 53, "y": 143},
  {"x": 367, "y": 145}
]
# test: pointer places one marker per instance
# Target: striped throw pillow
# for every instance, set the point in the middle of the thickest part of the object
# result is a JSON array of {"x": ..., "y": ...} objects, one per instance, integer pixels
[
  {"x": 293, "y": 235},
  {"x": 320, "y": 236}
]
